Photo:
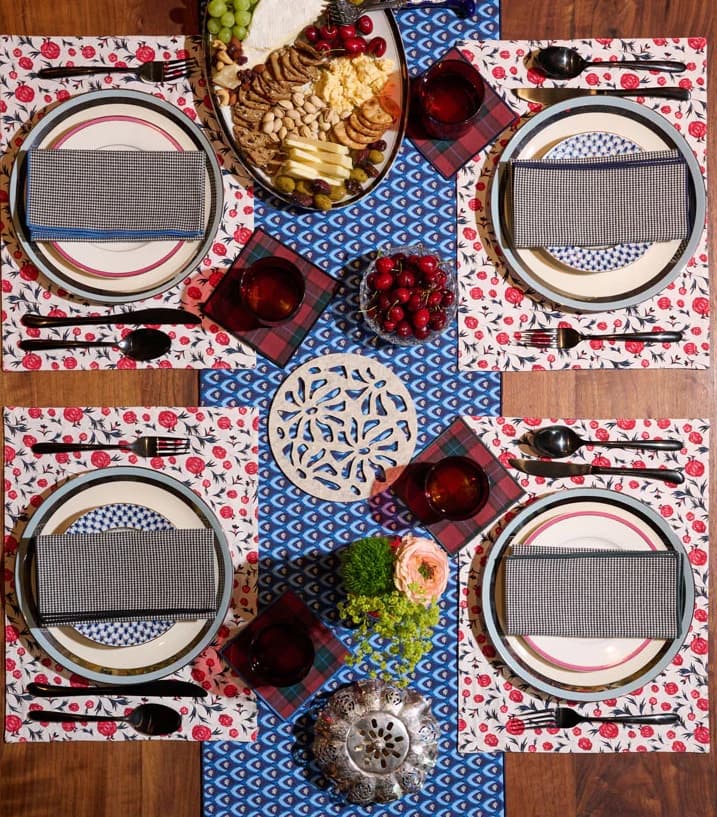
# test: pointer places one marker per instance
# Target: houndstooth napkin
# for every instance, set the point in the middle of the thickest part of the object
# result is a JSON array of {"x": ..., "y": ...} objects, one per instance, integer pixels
[
  {"x": 592, "y": 593},
  {"x": 115, "y": 195},
  {"x": 593, "y": 202},
  {"x": 125, "y": 575}
]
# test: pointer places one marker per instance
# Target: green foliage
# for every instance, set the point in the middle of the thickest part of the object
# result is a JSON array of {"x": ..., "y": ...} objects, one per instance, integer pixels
[
  {"x": 367, "y": 566},
  {"x": 393, "y": 632}
]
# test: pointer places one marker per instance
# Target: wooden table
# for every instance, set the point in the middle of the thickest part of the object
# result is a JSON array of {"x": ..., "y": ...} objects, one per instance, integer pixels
[{"x": 143, "y": 779}]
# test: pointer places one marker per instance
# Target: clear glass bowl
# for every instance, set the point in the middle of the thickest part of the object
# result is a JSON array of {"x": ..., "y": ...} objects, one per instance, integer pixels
[{"x": 367, "y": 295}]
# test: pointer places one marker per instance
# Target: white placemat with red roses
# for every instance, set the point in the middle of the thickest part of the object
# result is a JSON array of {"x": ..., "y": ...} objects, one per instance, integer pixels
[
  {"x": 222, "y": 468},
  {"x": 491, "y": 699},
  {"x": 494, "y": 305},
  {"x": 24, "y": 99}
]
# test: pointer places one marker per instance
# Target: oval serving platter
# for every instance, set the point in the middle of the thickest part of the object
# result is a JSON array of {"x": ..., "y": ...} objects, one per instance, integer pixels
[{"x": 398, "y": 90}]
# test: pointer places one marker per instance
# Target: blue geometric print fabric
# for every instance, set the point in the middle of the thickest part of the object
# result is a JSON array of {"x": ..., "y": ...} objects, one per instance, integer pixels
[{"x": 299, "y": 535}]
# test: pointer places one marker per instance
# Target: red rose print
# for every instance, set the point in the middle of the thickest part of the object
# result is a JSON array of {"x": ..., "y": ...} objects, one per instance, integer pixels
[
  {"x": 491, "y": 740},
  {"x": 251, "y": 468},
  {"x": 23, "y": 93},
  {"x": 10, "y": 634},
  {"x": 73, "y": 414},
  {"x": 513, "y": 296},
  {"x": 242, "y": 235},
  {"x": 195, "y": 465},
  {"x": 626, "y": 424},
  {"x": 200, "y": 732},
  {"x": 145, "y": 54},
  {"x": 168, "y": 420},
  {"x": 516, "y": 695},
  {"x": 230, "y": 691},
  {"x": 635, "y": 347},
  {"x": 50, "y": 50},
  {"x": 671, "y": 688},
  {"x": 701, "y": 306},
  {"x": 31, "y": 362},
  {"x": 13, "y": 723},
  {"x": 225, "y": 720},
  {"x": 252, "y": 557},
  {"x": 535, "y": 77},
  {"x": 698, "y": 557},
  {"x": 698, "y": 526},
  {"x": 585, "y": 744},
  {"x": 609, "y": 730},
  {"x": 699, "y": 646},
  {"x": 695, "y": 468},
  {"x": 678, "y": 746},
  {"x": 515, "y": 726},
  {"x": 107, "y": 728},
  {"x": 88, "y": 51},
  {"x": 702, "y": 734},
  {"x": 646, "y": 731},
  {"x": 100, "y": 459},
  {"x": 630, "y": 81},
  {"x": 25, "y": 62},
  {"x": 698, "y": 43},
  {"x": 499, "y": 72}
]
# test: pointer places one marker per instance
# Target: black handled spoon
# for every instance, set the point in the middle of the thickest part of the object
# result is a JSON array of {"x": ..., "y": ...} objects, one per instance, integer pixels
[
  {"x": 148, "y": 719},
  {"x": 562, "y": 441},
  {"x": 140, "y": 344},
  {"x": 559, "y": 62}
]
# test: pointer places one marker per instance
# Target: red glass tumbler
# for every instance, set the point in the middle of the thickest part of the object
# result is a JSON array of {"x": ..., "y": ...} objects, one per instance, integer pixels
[
  {"x": 281, "y": 654},
  {"x": 456, "y": 488},
  {"x": 272, "y": 290},
  {"x": 449, "y": 95}
]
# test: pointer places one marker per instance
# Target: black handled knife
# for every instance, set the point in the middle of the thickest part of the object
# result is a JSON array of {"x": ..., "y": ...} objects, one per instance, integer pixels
[
  {"x": 150, "y": 689},
  {"x": 153, "y": 315},
  {"x": 556, "y": 470}
]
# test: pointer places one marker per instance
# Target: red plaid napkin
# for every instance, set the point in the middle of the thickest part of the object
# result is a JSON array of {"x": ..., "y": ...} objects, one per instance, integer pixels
[
  {"x": 449, "y": 155},
  {"x": 330, "y": 654},
  {"x": 277, "y": 343},
  {"x": 457, "y": 440}
]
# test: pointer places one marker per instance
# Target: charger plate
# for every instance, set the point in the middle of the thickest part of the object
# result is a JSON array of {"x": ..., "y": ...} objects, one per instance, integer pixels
[
  {"x": 610, "y": 667},
  {"x": 172, "y": 649},
  {"x": 117, "y": 272},
  {"x": 616, "y": 288}
]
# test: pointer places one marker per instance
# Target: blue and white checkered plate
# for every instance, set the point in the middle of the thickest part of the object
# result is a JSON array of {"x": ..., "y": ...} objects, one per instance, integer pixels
[{"x": 114, "y": 517}]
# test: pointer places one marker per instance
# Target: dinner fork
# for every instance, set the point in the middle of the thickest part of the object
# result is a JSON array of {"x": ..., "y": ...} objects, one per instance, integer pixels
[
  {"x": 566, "y": 337},
  {"x": 157, "y": 71},
  {"x": 563, "y": 718},
  {"x": 142, "y": 446}
]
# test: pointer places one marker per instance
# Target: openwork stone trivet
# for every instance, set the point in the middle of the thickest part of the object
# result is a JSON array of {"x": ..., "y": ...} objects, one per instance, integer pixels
[{"x": 342, "y": 427}]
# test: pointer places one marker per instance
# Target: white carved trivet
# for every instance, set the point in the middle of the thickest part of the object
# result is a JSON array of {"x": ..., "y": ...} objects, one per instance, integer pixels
[{"x": 339, "y": 421}]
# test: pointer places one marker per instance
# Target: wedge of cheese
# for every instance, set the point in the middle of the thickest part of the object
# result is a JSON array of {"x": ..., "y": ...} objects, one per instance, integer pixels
[
  {"x": 332, "y": 174},
  {"x": 314, "y": 145},
  {"x": 342, "y": 162}
]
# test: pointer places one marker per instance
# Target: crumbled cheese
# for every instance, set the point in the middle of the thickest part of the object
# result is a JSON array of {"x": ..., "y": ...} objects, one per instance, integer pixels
[{"x": 347, "y": 82}]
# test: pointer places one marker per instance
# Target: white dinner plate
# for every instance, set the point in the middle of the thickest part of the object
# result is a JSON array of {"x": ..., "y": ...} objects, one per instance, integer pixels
[
  {"x": 183, "y": 509},
  {"x": 117, "y": 272}
]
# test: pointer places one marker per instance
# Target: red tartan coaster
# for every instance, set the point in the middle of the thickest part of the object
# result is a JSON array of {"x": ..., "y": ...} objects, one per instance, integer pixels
[
  {"x": 457, "y": 440},
  {"x": 449, "y": 155},
  {"x": 277, "y": 343},
  {"x": 330, "y": 654}
]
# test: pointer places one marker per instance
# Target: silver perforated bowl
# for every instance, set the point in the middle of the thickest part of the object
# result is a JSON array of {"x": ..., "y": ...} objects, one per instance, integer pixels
[{"x": 376, "y": 742}]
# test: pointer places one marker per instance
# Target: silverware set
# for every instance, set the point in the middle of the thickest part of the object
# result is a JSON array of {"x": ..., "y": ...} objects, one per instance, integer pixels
[
  {"x": 142, "y": 446},
  {"x": 565, "y": 337},
  {"x": 156, "y": 71},
  {"x": 564, "y": 718}
]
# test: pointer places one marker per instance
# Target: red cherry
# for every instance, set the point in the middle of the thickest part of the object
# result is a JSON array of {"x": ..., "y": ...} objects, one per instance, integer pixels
[
  {"x": 388, "y": 326},
  {"x": 377, "y": 47},
  {"x": 406, "y": 279},
  {"x": 448, "y": 298},
  {"x": 364, "y": 24},
  {"x": 438, "y": 320},
  {"x": 415, "y": 302},
  {"x": 384, "y": 301},
  {"x": 354, "y": 46},
  {"x": 428, "y": 263},
  {"x": 404, "y": 329},
  {"x": 434, "y": 299},
  {"x": 329, "y": 33},
  {"x": 371, "y": 280},
  {"x": 441, "y": 278},
  {"x": 323, "y": 45},
  {"x": 430, "y": 278},
  {"x": 420, "y": 318},
  {"x": 385, "y": 264},
  {"x": 384, "y": 280},
  {"x": 396, "y": 314},
  {"x": 346, "y": 32},
  {"x": 412, "y": 260},
  {"x": 421, "y": 332},
  {"x": 402, "y": 294},
  {"x": 312, "y": 34}
]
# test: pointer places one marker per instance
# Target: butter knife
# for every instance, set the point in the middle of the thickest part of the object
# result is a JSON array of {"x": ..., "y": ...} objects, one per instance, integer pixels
[
  {"x": 166, "y": 688},
  {"x": 556, "y": 470},
  {"x": 548, "y": 96},
  {"x": 153, "y": 315}
]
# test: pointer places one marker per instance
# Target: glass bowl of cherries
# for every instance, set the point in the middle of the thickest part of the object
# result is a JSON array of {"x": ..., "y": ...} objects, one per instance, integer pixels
[{"x": 408, "y": 295}]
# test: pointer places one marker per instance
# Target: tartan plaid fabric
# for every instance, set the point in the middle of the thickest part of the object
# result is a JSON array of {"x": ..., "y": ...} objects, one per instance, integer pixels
[
  {"x": 457, "y": 440},
  {"x": 277, "y": 343},
  {"x": 330, "y": 654},
  {"x": 449, "y": 155}
]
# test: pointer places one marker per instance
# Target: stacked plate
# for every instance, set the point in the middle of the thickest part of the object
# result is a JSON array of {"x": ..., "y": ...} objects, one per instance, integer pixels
[
  {"x": 595, "y": 668},
  {"x": 602, "y": 278},
  {"x": 117, "y": 271},
  {"x": 112, "y": 499}
]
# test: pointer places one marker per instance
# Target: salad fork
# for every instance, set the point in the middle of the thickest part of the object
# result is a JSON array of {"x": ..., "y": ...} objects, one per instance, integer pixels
[
  {"x": 142, "y": 446},
  {"x": 157, "y": 71},
  {"x": 564, "y": 718},
  {"x": 566, "y": 337}
]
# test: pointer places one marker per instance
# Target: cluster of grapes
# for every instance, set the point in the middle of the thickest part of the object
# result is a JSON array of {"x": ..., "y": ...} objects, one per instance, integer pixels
[
  {"x": 349, "y": 39},
  {"x": 229, "y": 18},
  {"x": 408, "y": 296}
]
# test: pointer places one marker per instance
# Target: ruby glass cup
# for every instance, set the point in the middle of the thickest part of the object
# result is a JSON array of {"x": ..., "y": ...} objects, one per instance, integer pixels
[{"x": 449, "y": 96}]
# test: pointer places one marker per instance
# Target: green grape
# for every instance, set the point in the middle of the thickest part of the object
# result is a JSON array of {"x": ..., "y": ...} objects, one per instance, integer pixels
[
  {"x": 225, "y": 35},
  {"x": 239, "y": 32},
  {"x": 243, "y": 18},
  {"x": 216, "y": 8},
  {"x": 213, "y": 25},
  {"x": 242, "y": 5},
  {"x": 227, "y": 19}
]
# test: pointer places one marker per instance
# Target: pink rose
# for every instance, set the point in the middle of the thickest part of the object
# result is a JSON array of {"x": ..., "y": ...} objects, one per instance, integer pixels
[{"x": 421, "y": 570}]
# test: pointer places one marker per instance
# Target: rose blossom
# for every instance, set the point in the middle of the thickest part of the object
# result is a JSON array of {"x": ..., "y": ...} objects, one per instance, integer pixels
[{"x": 421, "y": 570}]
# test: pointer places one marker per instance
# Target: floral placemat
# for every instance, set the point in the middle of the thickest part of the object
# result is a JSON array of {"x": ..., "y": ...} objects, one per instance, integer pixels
[
  {"x": 492, "y": 700},
  {"x": 494, "y": 305},
  {"x": 24, "y": 289},
  {"x": 221, "y": 467}
]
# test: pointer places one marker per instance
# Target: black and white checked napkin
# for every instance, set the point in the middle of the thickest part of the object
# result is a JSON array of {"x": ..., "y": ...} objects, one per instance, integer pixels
[
  {"x": 592, "y": 593},
  {"x": 601, "y": 201},
  {"x": 125, "y": 575},
  {"x": 115, "y": 195}
]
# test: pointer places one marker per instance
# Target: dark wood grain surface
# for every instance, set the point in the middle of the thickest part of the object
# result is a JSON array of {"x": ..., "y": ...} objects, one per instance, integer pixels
[{"x": 152, "y": 779}]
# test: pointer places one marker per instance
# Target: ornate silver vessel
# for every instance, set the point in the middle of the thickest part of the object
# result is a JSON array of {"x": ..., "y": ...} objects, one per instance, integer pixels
[{"x": 376, "y": 742}]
